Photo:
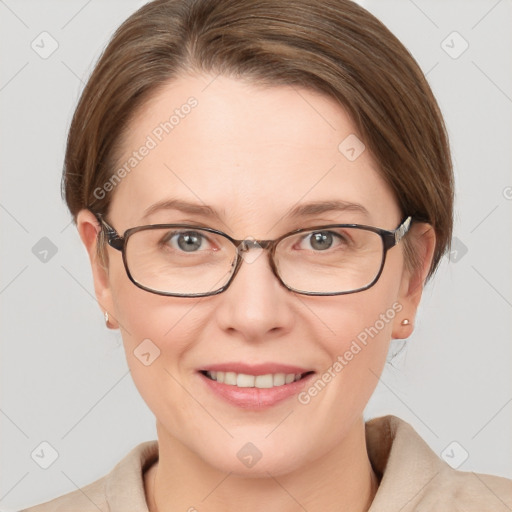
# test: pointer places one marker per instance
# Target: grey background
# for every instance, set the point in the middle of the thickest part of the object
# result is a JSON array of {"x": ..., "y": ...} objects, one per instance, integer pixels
[{"x": 64, "y": 375}]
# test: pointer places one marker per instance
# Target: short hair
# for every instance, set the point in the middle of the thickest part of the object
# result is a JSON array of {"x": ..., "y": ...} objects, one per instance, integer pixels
[{"x": 334, "y": 47}]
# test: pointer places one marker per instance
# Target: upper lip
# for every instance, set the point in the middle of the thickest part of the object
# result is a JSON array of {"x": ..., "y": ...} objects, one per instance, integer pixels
[{"x": 256, "y": 369}]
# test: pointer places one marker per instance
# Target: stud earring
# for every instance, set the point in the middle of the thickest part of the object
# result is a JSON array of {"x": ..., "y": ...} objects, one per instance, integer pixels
[
  {"x": 405, "y": 321},
  {"x": 106, "y": 319}
]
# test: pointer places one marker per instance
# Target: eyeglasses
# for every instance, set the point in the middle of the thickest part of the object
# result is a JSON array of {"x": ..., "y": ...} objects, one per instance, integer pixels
[{"x": 183, "y": 260}]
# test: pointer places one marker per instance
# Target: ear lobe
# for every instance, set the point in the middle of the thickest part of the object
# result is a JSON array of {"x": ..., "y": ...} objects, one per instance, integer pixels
[
  {"x": 423, "y": 241},
  {"x": 88, "y": 229}
]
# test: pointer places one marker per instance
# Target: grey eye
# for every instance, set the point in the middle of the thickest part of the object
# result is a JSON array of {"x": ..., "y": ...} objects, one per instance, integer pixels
[
  {"x": 321, "y": 241},
  {"x": 189, "y": 241},
  {"x": 186, "y": 241}
]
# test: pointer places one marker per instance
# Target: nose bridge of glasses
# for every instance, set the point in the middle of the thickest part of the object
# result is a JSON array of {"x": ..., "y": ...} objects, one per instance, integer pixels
[{"x": 251, "y": 243}]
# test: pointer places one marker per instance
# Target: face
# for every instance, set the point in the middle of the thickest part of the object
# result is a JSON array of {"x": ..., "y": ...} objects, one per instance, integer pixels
[{"x": 252, "y": 154}]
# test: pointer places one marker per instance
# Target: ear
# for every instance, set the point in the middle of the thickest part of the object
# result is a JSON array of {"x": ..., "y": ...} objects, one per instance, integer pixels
[
  {"x": 88, "y": 229},
  {"x": 423, "y": 241}
]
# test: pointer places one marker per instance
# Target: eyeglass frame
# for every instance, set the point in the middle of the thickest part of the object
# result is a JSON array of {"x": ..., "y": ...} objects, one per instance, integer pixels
[{"x": 390, "y": 238}]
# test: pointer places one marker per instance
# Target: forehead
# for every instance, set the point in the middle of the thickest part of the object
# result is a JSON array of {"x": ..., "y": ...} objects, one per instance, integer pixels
[{"x": 249, "y": 152}]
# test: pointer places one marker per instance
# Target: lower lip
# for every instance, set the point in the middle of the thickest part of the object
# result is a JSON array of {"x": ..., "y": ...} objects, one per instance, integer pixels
[{"x": 255, "y": 398}]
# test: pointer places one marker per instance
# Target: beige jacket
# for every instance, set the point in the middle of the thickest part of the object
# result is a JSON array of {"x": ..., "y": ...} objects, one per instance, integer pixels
[{"x": 413, "y": 478}]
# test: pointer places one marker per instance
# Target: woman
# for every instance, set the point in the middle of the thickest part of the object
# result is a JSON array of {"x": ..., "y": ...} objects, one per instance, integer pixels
[{"x": 263, "y": 189}]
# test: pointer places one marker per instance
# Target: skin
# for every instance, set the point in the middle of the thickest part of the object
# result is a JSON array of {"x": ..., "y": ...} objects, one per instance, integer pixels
[{"x": 252, "y": 154}]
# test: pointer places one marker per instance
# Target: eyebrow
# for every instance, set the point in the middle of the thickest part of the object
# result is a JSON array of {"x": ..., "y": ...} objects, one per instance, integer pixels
[
  {"x": 315, "y": 208},
  {"x": 299, "y": 211},
  {"x": 183, "y": 206}
]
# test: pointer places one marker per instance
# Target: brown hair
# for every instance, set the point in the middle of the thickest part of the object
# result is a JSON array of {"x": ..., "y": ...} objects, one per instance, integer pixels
[{"x": 332, "y": 46}]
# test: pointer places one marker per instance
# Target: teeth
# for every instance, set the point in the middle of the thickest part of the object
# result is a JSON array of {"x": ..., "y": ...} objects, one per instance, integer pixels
[
  {"x": 242, "y": 380},
  {"x": 279, "y": 379},
  {"x": 230, "y": 378},
  {"x": 290, "y": 377},
  {"x": 264, "y": 381}
]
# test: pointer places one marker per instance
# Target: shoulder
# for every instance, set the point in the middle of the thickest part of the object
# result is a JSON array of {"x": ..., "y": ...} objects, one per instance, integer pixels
[
  {"x": 121, "y": 489},
  {"x": 90, "y": 498},
  {"x": 470, "y": 492},
  {"x": 414, "y": 478}
]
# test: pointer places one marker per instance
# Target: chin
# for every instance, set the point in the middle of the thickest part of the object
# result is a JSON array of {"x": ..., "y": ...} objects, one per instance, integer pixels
[
  {"x": 262, "y": 469},
  {"x": 253, "y": 460}
]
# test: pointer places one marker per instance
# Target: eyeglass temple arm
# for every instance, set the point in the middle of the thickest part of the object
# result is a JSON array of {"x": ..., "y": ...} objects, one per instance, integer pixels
[
  {"x": 392, "y": 238},
  {"x": 401, "y": 230},
  {"x": 113, "y": 238}
]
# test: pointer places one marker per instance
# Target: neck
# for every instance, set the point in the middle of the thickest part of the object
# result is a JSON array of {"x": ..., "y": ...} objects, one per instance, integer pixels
[{"x": 341, "y": 480}]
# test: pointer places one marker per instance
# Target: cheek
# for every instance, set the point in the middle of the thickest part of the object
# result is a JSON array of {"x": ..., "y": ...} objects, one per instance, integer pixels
[
  {"x": 364, "y": 317},
  {"x": 144, "y": 315},
  {"x": 363, "y": 352},
  {"x": 362, "y": 325},
  {"x": 157, "y": 333},
  {"x": 362, "y": 329}
]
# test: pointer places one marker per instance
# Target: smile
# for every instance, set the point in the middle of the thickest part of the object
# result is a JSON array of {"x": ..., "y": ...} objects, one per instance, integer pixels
[{"x": 243, "y": 380}]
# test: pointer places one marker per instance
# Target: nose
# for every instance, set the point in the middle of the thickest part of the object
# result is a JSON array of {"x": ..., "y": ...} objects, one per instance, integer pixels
[{"x": 255, "y": 305}]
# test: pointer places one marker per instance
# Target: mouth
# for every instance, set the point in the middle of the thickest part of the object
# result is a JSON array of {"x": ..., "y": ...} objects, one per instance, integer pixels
[
  {"x": 246, "y": 380},
  {"x": 254, "y": 387}
]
